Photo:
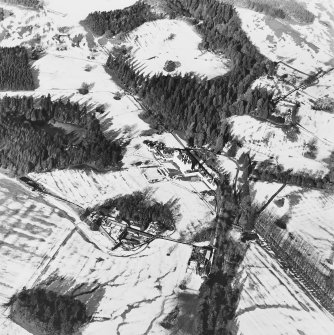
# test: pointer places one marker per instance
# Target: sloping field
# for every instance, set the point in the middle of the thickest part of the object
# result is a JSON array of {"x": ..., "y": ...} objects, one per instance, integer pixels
[
  {"x": 139, "y": 290},
  {"x": 64, "y": 67},
  {"x": 266, "y": 141},
  {"x": 271, "y": 303},
  {"x": 309, "y": 213},
  {"x": 88, "y": 188},
  {"x": 155, "y": 43},
  {"x": 305, "y": 46},
  {"x": 76, "y": 10},
  {"x": 31, "y": 231},
  {"x": 319, "y": 123}
]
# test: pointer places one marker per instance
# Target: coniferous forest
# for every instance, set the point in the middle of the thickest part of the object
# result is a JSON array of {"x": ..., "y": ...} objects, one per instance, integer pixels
[
  {"x": 49, "y": 312},
  {"x": 140, "y": 208},
  {"x": 15, "y": 71},
  {"x": 120, "y": 20},
  {"x": 31, "y": 143},
  {"x": 199, "y": 108}
]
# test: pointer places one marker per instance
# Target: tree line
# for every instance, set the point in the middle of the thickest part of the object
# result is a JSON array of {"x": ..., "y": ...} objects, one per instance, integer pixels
[
  {"x": 199, "y": 107},
  {"x": 120, "y": 20},
  {"x": 49, "y": 312},
  {"x": 31, "y": 143},
  {"x": 266, "y": 171},
  {"x": 15, "y": 71}
]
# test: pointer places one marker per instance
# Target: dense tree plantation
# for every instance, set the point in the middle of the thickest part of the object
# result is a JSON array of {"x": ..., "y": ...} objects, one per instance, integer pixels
[
  {"x": 26, "y": 3},
  {"x": 187, "y": 103},
  {"x": 120, "y": 20},
  {"x": 49, "y": 312},
  {"x": 31, "y": 143},
  {"x": 15, "y": 71},
  {"x": 141, "y": 209}
]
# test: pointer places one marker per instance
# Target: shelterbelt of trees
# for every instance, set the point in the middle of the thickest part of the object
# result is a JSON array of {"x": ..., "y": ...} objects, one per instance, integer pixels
[
  {"x": 197, "y": 107},
  {"x": 30, "y": 143},
  {"x": 15, "y": 71},
  {"x": 120, "y": 20}
]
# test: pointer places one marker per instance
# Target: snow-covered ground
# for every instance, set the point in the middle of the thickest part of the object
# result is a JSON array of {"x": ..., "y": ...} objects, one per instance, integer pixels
[
  {"x": 76, "y": 10},
  {"x": 310, "y": 212},
  {"x": 271, "y": 303},
  {"x": 139, "y": 290},
  {"x": 305, "y": 46},
  {"x": 31, "y": 231},
  {"x": 155, "y": 43},
  {"x": 88, "y": 188},
  {"x": 39, "y": 242},
  {"x": 61, "y": 73},
  {"x": 267, "y": 141},
  {"x": 314, "y": 125},
  {"x": 319, "y": 123}
]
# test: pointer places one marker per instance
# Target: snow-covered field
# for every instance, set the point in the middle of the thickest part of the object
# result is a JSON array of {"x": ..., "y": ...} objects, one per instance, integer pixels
[
  {"x": 266, "y": 141},
  {"x": 76, "y": 10},
  {"x": 314, "y": 125},
  {"x": 271, "y": 303},
  {"x": 88, "y": 188},
  {"x": 310, "y": 212},
  {"x": 155, "y": 43},
  {"x": 31, "y": 231},
  {"x": 319, "y": 123},
  {"x": 38, "y": 243},
  {"x": 139, "y": 290},
  {"x": 61, "y": 73},
  {"x": 305, "y": 46}
]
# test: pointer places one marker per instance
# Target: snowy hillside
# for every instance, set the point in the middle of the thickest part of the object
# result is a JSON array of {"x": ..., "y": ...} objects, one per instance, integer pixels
[
  {"x": 46, "y": 236},
  {"x": 34, "y": 231},
  {"x": 309, "y": 213},
  {"x": 271, "y": 302},
  {"x": 155, "y": 43},
  {"x": 305, "y": 46}
]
